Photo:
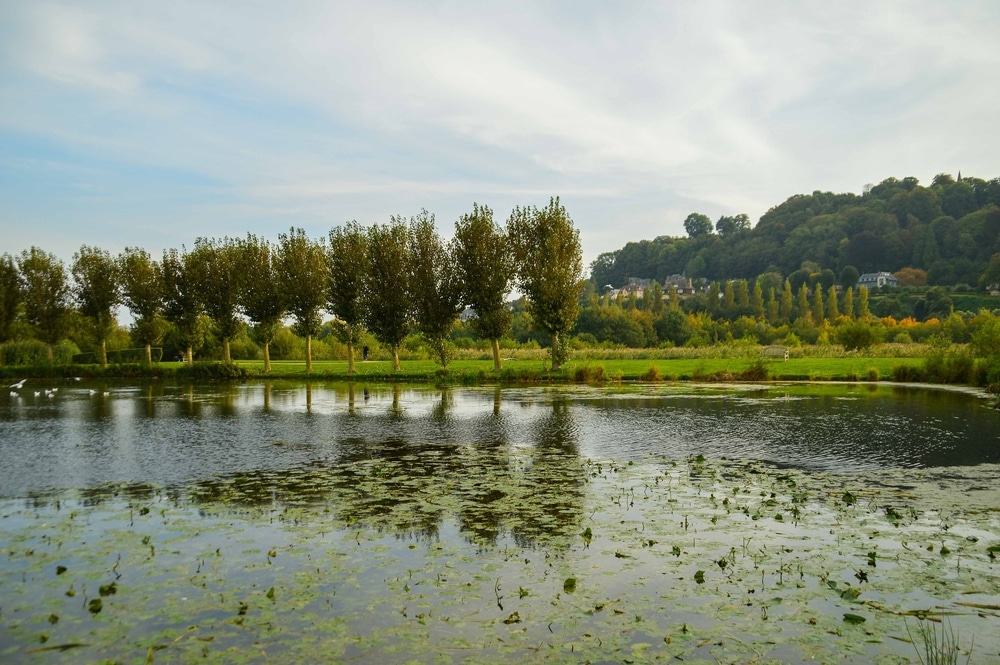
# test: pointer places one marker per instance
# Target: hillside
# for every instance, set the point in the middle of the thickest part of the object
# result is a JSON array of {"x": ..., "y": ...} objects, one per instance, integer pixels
[{"x": 949, "y": 230}]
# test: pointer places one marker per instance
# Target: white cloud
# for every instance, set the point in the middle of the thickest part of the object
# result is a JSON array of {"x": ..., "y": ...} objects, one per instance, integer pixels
[{"x": 637, "y": 113}]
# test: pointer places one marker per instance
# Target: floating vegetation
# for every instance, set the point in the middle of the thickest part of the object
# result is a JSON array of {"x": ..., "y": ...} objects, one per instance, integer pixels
[{"x": 484, "y": 554}]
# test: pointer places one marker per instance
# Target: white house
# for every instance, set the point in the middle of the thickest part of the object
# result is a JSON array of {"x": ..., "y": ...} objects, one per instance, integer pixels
[{"x": 876, "y": 280}]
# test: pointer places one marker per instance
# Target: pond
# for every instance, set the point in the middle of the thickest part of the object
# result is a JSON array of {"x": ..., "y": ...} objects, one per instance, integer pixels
[{"x": 386, "y": 523}]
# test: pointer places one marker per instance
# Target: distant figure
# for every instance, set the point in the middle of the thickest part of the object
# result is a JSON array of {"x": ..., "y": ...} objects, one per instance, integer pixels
[{"x": 364, "y": 352}]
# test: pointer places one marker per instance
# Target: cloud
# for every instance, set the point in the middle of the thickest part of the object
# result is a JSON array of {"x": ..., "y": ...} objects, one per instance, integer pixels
[{"x": 252, "y": 114}]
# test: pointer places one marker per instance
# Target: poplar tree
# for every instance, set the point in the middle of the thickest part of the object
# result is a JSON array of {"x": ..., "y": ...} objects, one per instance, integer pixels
[
  {"x": 303, "y": 278},
  {"x": 347, "y": 261},
  {"x": 819, "y": 311},
  {"x": 786, "y": 302},
  {"x": 216, "y": 274},
  {"x": 261, "y": 298},
  {"x": 385, "y": 296},
  {"x": 142, "y": 294},
  {"x": 484, "y": 258},
  {"x": 10, "y": 294},
  {"x": 182, "y": 304},
  {"x": 863, "y": 312},
  {"x": 45, "y": 295},
  {"x": 97, "y": 291},
  {"x": 435, "y": 291},
  {"x": 653, "y": 299},
  {"x": 832, "y": 307},
  {"x": 550, "y": 270},
  {"x": 849, "y": 302},
  {"x": 803, "y": 304}
]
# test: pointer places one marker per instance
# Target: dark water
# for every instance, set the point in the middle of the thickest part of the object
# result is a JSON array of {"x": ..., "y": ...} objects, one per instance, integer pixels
[{"x": 90, "y": 435}]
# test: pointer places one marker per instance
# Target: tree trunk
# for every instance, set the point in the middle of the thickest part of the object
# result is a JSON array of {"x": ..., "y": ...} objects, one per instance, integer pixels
[
  {"x": 104, "y": 353},
  {"x": 395, "y": 359},
  {"x": 309, "y": 353},
  {"x": 350, "y": 357},
  {"x": 497, "y": 364},
  {"x": 190, "y": 356},
  {"x": 225, "y": 350},
  {"x": 556, "y": 363},
  {"x": 149, "y": 354},
  {"x": 267, "y": 357}
]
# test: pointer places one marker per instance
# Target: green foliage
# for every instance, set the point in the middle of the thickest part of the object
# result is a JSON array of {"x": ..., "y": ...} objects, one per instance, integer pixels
[
  {"x": 485, "y": 264},
  {"x": 182, "y": 304},
  {"x": 550, "y": 269},
  {"x": 45, "y": 294},
  {"x": 10, "y": 295},
  {"x": 950, "y": 231},
  {"x": 347, "y": 261},
  {"x": 97, "y": 291},
  {"x": 858, "y": 335},
  {"x": 261, "y": 298},
  {"x": 302, "y": 273},
  {"x": 435, "y": 288},
  {"x": 385, "y": 295}
]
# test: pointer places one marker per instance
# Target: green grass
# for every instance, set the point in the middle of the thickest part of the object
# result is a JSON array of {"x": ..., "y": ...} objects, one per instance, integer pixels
[
  {"x": 681, "y": 369},
  {"x": 526, "y": 368}
]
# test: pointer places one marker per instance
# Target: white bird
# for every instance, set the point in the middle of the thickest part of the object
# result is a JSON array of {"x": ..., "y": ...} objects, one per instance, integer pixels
[
  {"x": 93, "y": 392},
  {"x": 18, "y": 385},
  {"x": 37, "y": 393}
]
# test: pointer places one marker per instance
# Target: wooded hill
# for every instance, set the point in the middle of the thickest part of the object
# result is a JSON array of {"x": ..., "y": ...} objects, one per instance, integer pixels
[{"x": 949, "y": 230}]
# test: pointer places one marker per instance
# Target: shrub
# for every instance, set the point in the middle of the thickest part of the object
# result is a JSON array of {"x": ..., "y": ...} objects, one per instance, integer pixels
[
  {"x": 652, "y": 374},
  {"x": 857, "y": 335}
]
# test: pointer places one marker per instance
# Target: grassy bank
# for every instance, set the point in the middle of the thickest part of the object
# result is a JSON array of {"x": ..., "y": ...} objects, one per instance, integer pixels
[{"x": 529, "y": 370}]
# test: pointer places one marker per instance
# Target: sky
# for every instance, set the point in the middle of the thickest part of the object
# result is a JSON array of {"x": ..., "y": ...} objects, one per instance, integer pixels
[{"x": 151, "y": 124}]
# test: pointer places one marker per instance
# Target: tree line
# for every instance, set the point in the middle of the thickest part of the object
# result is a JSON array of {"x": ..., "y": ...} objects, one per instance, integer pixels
[
  {"x": 945, "y": 234},
  {"x": 385, "y": 279}
]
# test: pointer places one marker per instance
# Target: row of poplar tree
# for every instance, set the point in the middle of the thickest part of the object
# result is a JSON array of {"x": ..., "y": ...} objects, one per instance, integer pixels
[{"x": 386, "y": 279}]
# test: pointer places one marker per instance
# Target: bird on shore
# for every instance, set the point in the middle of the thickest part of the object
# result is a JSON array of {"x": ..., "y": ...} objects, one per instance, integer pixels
[{"x": 18, "y": 385}]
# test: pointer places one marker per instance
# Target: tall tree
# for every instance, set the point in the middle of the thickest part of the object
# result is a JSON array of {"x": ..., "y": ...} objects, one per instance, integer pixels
[
  {"x": 786, "y": 302},
  {"x": 261, "y": 298},
  {"x": 435, "y": 291},
  {"x": 832, "y": 306},
  {"x": 802, "y": 309},
  {"x": 863, "y": 312},
  {"x": 550, "y": 270},
  {"x": 758, "y": 300},
  {"x": 386, "y": 298},
  {"x": 10, "y": 294},
  {"x": 486, "y": 268},
  {"x": 97, "y": 291},
  {"x": 849, "y": 302},
  {"x": 142, "y": 294},
  {"x": 181, "y": 301},
  {"x": 303, "y": 283},
  {"x": 653, "y": 298},
  {"x": 46, "y": 295},
  {"x": 347, "y": 262},
  {"x": 698, "y": 225},
  {"x": 819, "y": 311},
  {"x": 218, "y": 279}
]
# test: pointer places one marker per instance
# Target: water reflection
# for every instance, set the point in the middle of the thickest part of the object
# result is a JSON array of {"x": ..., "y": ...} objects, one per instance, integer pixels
[{"x": 170, "y": 435}]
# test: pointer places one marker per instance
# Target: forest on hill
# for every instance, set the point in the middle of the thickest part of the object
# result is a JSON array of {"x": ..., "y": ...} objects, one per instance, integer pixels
[{"x": 943, "y": 234}]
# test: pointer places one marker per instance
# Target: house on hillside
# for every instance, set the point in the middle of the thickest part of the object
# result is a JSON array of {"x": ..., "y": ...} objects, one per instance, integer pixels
[
  {"x": 637, "y": 286},
  {"x": 876, "y": 280},
  {"x": 684, "y": 285}
]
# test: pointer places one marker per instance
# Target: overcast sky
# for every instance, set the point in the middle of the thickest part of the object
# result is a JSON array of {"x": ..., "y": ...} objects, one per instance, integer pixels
[{"x": 153, "y": 123}]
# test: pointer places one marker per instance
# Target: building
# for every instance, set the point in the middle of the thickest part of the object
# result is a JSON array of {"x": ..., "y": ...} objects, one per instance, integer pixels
[{"x": 876, "y": 280}]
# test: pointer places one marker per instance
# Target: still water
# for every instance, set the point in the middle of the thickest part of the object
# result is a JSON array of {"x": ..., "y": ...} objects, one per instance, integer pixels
[
  {"x": 293, "y": 522},
  {"x": 88, "y": 435}
]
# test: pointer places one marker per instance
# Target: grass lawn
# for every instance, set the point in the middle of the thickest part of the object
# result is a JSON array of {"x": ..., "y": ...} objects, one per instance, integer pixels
[{"x": 477, "y": 371}]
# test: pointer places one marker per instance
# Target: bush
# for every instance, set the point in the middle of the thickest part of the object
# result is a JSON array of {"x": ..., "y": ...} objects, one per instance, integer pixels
[{"x": 857, "y": 335}]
